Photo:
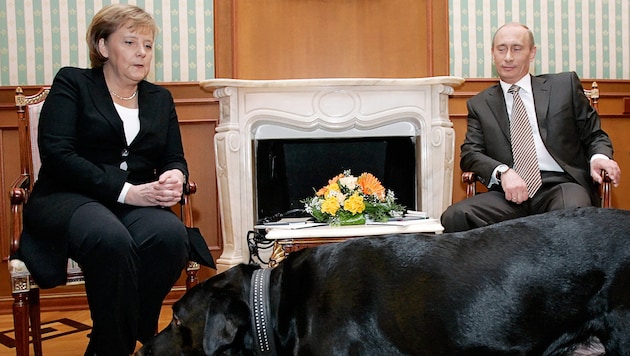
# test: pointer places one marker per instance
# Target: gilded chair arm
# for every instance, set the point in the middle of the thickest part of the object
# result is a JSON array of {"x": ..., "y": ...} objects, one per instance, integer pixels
[
  {"x": 190, "y": 188},
  {"x": 470, "y": 179},
  {"x": 187, "y": 217},
  {"x": 18, "y": 194},
  {"x": 605, "y": 190}
]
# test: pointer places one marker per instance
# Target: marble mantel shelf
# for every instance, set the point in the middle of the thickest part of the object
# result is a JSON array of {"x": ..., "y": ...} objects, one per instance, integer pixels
[
  {"x": 326, "y": 107},
  {"x": 211, "y": 84}
]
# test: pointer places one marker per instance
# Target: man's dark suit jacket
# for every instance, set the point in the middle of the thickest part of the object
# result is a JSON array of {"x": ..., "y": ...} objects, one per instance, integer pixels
[
  {"x": 569, "y": 127},
  {"x": 82, "y": 144}
]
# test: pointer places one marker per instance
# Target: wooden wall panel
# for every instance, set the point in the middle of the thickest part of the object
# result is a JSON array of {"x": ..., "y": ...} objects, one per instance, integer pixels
[
  {"x": 198, "y": 114},
  {"x": 330, "y": 38}
]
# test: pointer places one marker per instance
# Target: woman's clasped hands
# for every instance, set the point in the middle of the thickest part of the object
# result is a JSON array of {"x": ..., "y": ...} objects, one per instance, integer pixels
[{"x": 165, "y": 192}]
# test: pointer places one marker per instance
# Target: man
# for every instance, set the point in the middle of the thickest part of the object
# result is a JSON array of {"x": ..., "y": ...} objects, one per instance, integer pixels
[{"x": 568, "y": 152}]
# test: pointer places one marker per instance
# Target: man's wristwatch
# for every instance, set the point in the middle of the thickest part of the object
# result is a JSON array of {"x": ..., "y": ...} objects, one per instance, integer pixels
[{"x": 500, "y": 170}]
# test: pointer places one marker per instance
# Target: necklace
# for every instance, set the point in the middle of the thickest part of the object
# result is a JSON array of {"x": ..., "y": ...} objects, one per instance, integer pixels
[{"x": 122, "y": 97}]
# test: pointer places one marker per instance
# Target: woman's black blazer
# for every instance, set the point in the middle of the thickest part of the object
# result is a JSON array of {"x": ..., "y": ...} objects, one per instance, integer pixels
[{"x": 82, "y": 144}]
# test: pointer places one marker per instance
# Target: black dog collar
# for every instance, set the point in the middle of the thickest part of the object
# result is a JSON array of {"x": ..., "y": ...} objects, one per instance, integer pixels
[{"x": 260, "y": 311}]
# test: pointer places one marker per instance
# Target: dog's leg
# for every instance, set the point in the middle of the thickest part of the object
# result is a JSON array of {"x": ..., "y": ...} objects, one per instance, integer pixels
[
  {"x": 593, "y": 347},
  {"x": 575, "y": 345},
  {"x": 618, "y": 342}
]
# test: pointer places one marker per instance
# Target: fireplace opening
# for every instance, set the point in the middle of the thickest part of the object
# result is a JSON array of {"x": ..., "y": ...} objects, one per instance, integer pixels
[{"x": 290, "y": 170}]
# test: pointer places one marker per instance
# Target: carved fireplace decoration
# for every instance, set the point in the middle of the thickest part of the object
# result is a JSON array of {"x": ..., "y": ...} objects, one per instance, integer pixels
[{"x": 324, "y": 108}]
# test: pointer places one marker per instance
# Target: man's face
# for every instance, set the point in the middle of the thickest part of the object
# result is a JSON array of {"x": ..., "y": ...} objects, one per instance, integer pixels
[{"x": 512, "y": 52}]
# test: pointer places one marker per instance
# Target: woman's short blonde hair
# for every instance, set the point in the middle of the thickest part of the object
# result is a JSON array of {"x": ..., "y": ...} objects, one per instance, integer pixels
[{"x": 108, "y": 20}]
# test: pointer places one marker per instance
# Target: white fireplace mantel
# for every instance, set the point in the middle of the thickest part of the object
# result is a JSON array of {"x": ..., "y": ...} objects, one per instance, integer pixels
[{"x": 330, "y": 107}]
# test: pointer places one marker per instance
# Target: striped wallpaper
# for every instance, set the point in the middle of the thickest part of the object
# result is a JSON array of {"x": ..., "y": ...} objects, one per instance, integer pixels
[
  {"x": 590, "y": 37},
  {"x": 37, "y": 37}
]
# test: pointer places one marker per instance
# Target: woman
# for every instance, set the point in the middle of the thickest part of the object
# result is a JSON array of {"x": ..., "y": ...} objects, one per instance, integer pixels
[{"x": 112, "y": 165}]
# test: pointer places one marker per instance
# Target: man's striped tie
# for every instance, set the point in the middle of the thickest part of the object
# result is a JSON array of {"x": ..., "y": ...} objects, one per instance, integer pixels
[{"x": 523, "y": 147}]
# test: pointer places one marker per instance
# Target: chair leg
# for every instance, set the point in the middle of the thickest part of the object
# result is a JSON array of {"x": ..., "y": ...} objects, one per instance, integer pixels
[
  {"x": 191, "y": 273},
  {"x": 36, "y": 323},
  {"x": 20, "y": 322}
]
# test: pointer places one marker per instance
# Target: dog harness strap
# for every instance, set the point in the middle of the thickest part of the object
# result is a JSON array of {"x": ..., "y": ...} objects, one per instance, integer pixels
[{"x": 260, "y": 311}]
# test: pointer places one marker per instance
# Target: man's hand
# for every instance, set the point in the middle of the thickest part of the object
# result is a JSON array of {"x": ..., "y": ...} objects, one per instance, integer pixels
[
  {"x": 609, "y": 166},
  {"x": 514, "y": 187}
]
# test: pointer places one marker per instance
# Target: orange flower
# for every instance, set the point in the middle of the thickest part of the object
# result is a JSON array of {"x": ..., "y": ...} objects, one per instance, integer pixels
[
  {"x": 370, "y": 185},
  {"x": 332, "y": 183}
]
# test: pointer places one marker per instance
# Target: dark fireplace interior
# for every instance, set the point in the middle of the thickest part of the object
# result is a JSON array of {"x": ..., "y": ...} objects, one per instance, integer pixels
[{"x": 290, "y": 170}]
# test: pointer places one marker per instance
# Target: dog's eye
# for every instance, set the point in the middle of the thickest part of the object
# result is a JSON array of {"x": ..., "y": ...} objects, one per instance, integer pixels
[{"x": 176, "y": 321}]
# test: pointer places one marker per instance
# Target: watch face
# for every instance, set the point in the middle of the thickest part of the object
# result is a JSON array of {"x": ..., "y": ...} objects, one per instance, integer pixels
[{"x": 500, "y": 170}]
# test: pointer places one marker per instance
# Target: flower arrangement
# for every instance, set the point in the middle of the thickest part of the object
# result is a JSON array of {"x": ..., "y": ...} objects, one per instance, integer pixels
[{"x": 350, "y": 200}]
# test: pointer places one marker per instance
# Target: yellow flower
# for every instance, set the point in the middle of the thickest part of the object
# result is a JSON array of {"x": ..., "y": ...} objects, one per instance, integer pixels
[
  {"x": 354, "y": 204},
  {"x": 330, "y": 206},
  {"x": 331, "y": 190}
]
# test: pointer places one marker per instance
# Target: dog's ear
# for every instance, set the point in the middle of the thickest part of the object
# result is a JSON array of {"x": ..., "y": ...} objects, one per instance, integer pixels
[
  {"x": 222, "y": 325},
  {"x": 219, "y": 332}
]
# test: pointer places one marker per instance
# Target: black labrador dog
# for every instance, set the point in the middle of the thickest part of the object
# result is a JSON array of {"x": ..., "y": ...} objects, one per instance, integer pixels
[{"x": 539, "y": 285}]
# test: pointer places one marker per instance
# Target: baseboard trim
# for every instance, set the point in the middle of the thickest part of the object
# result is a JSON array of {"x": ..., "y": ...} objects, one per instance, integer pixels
[{"x": 76, "y": 301}]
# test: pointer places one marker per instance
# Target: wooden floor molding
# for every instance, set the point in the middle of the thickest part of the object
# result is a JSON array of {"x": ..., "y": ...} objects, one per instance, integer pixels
[{"x": 64, "y": 333}]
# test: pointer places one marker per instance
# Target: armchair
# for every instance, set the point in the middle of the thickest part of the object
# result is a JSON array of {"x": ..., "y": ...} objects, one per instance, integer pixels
[
  {"x": 25, "y": 291},
  {"x": 470, "y": 178}
]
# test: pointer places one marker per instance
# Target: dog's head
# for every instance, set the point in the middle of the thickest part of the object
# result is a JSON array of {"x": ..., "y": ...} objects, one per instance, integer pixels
[{"x": 213, "y": 318}]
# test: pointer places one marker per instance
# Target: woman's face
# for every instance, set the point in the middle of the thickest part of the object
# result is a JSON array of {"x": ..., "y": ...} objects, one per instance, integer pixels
[{"x": 129, "y": 53}]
